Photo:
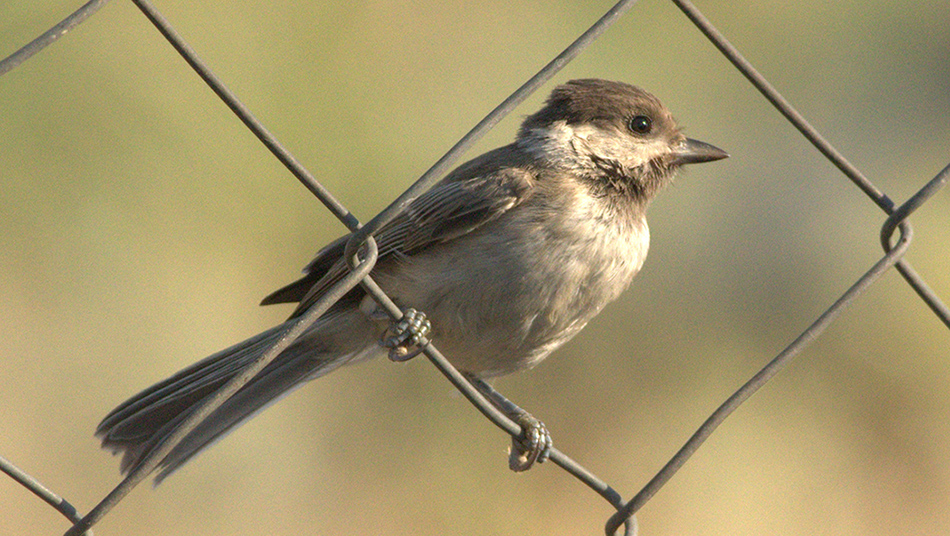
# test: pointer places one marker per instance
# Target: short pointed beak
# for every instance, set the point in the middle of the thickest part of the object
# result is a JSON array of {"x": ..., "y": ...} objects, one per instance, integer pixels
[{"x": 690, "y": 151}]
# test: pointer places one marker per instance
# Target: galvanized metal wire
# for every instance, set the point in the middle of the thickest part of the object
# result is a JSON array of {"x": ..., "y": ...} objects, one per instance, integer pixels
[{"x": 361, "y": 252}]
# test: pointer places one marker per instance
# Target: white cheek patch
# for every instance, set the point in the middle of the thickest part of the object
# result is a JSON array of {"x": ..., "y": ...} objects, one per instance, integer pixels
[
  {"x": 579, "y": 146},
  {"x": 585, "y": 132},
  {"x": 559, "y": 144},
  {"x": 649, "y": 150},
  {"x": 628, "y": 151}
]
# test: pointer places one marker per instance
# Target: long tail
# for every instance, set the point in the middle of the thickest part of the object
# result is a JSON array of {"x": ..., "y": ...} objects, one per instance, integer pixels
[{"x": 140, "y": 424}]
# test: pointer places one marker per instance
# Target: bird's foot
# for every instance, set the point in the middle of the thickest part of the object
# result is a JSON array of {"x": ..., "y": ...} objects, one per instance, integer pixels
[
  {"x": 408, "y": 336},
  {"x": 532, "y": 446}
]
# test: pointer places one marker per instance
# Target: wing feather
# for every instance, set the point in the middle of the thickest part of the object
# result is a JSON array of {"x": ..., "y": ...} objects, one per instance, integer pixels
[{"x": 452, "y": 208}]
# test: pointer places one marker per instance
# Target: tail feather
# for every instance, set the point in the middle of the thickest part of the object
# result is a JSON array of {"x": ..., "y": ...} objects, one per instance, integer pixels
[
  {"x": 136, "y": 418},
  {"x": 139, "y": 425}
]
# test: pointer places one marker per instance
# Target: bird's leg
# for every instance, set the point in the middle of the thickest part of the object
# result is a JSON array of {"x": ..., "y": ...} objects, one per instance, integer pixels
[
  {"x": 534, "y": 443},
  {"x": 408, "y": 336}
]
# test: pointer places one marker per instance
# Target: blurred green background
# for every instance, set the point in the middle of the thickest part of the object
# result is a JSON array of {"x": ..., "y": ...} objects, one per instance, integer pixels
[{"x": 140, "y": 224}]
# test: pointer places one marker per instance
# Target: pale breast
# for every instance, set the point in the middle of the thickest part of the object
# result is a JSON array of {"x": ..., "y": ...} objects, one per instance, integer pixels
[{"x": 503, "y": 297}]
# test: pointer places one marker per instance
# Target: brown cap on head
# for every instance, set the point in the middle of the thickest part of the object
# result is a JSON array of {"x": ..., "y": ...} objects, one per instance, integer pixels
[{"x": 599, "y": 102}]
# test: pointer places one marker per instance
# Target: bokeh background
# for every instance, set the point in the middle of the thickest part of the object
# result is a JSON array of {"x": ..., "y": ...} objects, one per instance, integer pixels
[{"x": 140, "y": 224}]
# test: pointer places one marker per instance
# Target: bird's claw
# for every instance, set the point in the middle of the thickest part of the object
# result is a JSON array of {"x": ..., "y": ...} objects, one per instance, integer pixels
[
  {"x": 409, "y": 336},
  {"x": 532, "y": 446}
]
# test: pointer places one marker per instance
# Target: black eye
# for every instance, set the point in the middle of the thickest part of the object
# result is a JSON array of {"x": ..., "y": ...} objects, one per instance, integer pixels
[{"x": 641, "y": 124}]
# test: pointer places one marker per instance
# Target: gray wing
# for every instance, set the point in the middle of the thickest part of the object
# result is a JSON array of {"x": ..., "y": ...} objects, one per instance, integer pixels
[{"x": 452, "y": 208}]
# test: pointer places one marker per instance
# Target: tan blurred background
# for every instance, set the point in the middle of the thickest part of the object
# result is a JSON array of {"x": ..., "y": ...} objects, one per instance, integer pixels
[{"x": 140, "y": 224}]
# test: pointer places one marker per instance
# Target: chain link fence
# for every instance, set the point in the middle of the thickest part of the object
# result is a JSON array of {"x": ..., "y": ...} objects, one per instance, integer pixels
[{"x": 896, "y": 238}]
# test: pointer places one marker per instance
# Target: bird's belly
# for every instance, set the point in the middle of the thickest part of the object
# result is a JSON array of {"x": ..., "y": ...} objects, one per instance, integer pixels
[{"x": 499, "y": 305}]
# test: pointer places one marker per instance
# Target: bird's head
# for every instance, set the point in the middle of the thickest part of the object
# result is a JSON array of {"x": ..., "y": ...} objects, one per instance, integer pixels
[{"x": 617, "y": 136}]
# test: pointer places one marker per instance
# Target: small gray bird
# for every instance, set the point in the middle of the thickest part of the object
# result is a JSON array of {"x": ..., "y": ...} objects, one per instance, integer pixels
[{"x": 509, "y": 256}]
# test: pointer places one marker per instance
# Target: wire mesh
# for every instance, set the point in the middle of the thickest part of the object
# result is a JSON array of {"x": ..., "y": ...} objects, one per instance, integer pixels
[{"x": 362, "y": 242}]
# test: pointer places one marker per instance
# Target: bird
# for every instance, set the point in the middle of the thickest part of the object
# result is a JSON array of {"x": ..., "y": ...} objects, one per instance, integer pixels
[{"x": 507, "y": 258}]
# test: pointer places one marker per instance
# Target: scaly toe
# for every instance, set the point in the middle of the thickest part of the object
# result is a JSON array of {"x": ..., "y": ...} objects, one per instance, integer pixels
[
  {"x": 533, "y": 446},
  {"x": 409, "y": 335}
]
